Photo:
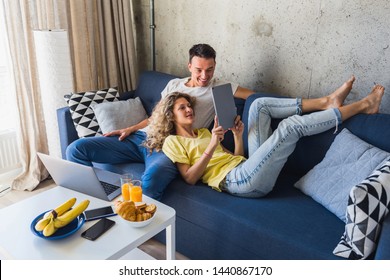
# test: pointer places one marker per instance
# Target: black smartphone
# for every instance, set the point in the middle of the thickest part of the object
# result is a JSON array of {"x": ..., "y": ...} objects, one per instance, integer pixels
[
  {"x": 98, "y": 229},
  {"x": 98, "y": 213}
]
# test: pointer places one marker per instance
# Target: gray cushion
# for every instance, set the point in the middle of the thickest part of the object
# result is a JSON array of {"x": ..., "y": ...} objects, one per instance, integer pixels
[
  {"x": 368, "y": 205},
  {"x": 119, "y": 114},
  {"x": 347, "y": 162}
]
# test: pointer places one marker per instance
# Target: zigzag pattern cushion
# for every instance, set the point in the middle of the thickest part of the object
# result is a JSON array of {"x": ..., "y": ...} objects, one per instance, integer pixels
[
  {"x": 368, "y": 206},
  {"x": 83, "y": 116}
]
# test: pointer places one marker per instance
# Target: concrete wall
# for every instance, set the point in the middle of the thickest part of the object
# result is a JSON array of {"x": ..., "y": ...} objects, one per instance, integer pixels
[{"x": 290, "y": 47}]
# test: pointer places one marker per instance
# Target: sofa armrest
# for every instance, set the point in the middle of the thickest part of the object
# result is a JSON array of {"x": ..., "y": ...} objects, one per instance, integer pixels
[
  {"x": 66, "y": 128},
  {"x": 383, "y": 249}
]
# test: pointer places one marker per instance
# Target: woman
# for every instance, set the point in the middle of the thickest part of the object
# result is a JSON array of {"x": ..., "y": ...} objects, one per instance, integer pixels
[{"x": 198, "y": 153}]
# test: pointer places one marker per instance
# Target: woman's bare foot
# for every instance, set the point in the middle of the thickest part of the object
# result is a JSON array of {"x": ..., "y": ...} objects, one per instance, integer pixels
[
  {"x": 336, "y": 98},
  {"x": 373, "y": 100}
]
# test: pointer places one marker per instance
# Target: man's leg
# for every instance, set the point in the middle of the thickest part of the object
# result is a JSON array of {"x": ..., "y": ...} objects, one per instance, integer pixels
[
  {"x": 106, "y": 149},
  {"x": 159, "y": 172}
]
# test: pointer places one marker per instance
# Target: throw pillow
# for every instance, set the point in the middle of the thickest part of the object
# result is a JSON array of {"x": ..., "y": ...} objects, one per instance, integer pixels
[
  {"x": 347, "y": 162},
  {"x": 82, "y": 114},
  {"x": 368, "y": 205},
  {"x": 116, "y": 115}
]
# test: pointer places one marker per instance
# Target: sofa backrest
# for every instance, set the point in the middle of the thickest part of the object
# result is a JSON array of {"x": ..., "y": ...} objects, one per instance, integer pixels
[
  {"x": 150, "y": 86},
  {"x": 373, "y": 129}
]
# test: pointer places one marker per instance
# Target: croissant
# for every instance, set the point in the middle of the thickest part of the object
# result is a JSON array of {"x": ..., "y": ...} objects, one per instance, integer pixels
[{"x": 127, "y": 210}]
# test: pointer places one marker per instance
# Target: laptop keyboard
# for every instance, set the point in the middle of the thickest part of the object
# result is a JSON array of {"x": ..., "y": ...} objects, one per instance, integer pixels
[{"x": 108, "y": 188}]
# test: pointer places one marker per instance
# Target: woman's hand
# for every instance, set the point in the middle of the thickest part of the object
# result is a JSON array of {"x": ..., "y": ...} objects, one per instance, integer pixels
[
  {"x": 238, "y": 131},
  {"x": 217, "y": 133},
  {"x": 238, "y": 128}
]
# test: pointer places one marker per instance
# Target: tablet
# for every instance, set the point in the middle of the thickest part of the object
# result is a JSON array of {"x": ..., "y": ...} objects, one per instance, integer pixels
[{"x": 224, "y": 105}]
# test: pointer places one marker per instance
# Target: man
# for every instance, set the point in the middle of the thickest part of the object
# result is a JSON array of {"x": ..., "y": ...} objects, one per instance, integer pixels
[{"x": 159, "y": 170}]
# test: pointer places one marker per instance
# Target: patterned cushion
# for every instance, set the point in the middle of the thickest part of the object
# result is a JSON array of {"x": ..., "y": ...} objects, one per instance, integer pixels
[
  {"x": 83, "y": 116},
  {"x": 347, "y": 162},
  {"x": 368, "y": 205}
]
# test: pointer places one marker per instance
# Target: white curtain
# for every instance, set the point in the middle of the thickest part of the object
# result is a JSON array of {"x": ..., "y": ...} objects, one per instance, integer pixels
[{"x": 103, "y": 55}]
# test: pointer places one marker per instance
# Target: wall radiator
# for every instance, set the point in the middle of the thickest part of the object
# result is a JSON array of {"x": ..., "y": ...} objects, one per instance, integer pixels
[{"x": 9, "y": 152}]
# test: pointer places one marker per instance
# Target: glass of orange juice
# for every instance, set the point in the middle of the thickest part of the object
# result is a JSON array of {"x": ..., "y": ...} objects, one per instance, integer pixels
[
  {"x": 136, "y": 191},
  {"x": 125, "y": 185}
]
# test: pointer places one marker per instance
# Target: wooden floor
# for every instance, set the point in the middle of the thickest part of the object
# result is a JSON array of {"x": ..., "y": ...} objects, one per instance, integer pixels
[{"x": 152, "y": 247}]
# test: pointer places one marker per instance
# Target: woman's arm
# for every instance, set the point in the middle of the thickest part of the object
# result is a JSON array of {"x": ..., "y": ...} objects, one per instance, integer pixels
[
  {"x": 191, "y": 174},
  {"x": 238, "y": 131}
]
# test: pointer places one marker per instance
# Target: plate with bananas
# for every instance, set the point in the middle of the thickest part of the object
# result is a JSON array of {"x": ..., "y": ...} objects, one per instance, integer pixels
[{"x": 60, "y": 222}]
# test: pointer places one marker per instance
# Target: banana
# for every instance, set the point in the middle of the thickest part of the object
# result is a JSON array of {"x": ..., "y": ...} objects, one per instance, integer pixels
[
  {"x": 50, "y": 229},
  {"x": 69, "y": 216},
  {"x": 41, "y": 224}
]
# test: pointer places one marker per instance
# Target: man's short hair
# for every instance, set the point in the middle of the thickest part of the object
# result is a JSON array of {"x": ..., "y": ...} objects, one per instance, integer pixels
[{"x": 203, "y": 51}]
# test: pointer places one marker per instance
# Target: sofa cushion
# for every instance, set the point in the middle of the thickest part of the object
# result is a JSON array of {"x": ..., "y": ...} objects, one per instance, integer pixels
[
  {"x": 83, "y": 117},
  {"x": 347, "y": 162},
  {"x": 120, "y": 114},
  {"x": 368, "y": 205},
  {"x": 150, "y": 86}
]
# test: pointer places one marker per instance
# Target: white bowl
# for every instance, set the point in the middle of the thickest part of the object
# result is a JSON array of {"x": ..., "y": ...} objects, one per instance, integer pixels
[{"x": 142, "y": 223}]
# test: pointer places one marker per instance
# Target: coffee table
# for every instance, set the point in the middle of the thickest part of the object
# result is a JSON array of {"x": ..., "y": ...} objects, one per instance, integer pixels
[{"x": 120, "y": 242}]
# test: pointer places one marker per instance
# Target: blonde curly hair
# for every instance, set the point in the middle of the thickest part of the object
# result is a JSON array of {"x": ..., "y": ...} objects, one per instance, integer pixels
[{"x": 162, "y": 121}]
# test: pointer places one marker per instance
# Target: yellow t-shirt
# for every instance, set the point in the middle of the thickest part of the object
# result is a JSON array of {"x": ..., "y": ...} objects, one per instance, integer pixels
[{"x": 189, "y": 150}]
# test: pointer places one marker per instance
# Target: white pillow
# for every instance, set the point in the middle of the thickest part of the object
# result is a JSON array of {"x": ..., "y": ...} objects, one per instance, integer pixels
[
  {"x": 347, "y": 162},
  {"x": 119, "y": 114}
]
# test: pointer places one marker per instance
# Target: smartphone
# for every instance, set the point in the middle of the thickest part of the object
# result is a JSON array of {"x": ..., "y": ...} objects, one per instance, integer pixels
[
  {"x": 98, "y": 213},
  {"x": 98, "y": 229}
]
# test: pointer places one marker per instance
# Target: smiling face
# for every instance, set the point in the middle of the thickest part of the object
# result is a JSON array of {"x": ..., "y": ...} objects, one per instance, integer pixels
[
  {"x": 183, "y": 112},
  {"x": 202, "y": 70}
]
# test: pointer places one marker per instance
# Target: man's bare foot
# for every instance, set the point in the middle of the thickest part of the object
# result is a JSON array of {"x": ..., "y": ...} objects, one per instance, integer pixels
[
  {"x": 373, "y": 100},
  {"x": 336, "y": 98}
]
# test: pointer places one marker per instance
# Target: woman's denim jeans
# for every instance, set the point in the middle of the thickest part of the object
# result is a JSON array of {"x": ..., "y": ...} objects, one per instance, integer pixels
[{"x": 268, "y": 151}]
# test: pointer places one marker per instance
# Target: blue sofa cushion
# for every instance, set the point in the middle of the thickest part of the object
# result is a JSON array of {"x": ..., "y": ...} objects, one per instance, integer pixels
[
  {"x": 368, "y": 205},
  {"x": 149, "y": 88},
  {"x": 348, "y": 161}
]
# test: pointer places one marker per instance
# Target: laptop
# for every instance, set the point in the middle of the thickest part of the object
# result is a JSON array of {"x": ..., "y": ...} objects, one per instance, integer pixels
[
  {"x": 224, "y": 105},
  {"x": 81, "y": 178}
]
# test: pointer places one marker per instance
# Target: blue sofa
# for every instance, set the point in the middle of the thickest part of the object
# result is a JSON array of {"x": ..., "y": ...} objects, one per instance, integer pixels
[{"x": 286, "y": 224}]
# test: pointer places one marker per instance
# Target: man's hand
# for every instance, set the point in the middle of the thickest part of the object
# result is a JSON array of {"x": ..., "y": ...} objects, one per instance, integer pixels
[{"x": 123, "y": 133}]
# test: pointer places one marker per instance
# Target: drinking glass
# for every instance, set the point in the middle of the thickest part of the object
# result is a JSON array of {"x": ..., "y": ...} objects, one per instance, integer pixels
[
  {"x": 126, "y": 180},
  {"x": 136, "y": 191}
]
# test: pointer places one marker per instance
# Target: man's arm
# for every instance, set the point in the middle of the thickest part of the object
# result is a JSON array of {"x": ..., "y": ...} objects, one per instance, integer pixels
[{"x": 243, "y": 93}]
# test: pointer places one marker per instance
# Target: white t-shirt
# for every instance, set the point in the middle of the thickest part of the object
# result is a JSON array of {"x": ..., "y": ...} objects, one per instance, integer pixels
[{"x": 204, "y": 108}]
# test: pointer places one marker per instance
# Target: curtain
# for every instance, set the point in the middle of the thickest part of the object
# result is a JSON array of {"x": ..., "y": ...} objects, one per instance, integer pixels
[{"x": 103, "y": 55}]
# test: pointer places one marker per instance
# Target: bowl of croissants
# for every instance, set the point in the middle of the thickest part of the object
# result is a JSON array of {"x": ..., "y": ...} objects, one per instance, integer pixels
[{"x": 138, "y": 214}]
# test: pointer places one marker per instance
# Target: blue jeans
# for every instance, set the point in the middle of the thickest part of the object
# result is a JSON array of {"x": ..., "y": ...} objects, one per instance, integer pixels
[
  {"x": 268, "y": 151},
  {"x": 159, "y": 169}
]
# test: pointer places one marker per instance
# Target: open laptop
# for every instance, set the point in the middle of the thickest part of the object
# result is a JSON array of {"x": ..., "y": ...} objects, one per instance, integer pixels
[
  {"x": 224, "y": 105},
  {"x": 85, "y": 179}
]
